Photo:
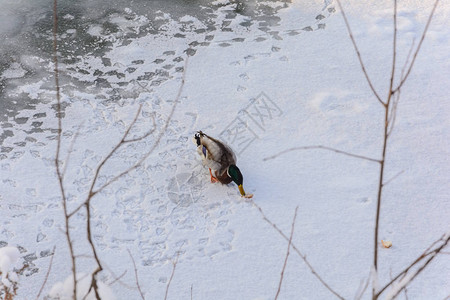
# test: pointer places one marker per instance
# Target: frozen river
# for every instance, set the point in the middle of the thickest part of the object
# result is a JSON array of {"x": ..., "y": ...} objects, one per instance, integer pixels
[
  {"x": 91, "y": 29},
  {"x": 265, "y": 77}
]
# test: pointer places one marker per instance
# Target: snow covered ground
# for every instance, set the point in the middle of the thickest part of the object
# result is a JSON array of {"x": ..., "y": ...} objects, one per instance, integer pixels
[{"x": 262, "y": 88}]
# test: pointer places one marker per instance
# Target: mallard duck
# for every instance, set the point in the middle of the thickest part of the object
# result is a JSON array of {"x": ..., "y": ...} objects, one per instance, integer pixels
[{"x": 221, "y": 159}]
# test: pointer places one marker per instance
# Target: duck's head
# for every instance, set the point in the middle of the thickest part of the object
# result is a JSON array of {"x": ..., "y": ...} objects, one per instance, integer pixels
[
  {"x": 197, "y": 136},
  {"x": 235, "y": 174}
]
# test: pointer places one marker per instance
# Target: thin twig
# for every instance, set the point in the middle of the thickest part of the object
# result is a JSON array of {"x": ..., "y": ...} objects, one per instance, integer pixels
[
  {"x": 92, "y": 192},
  {"x": 406, "y": 293},
  {"x": 302, "y": 256},
  {"x": 421, "y": 269},
  {"x": 145, "y": 135},
  {"x": 47, "y": 274},
  {"x": 388, "y": 131},
  {"x": 117, "y": 279},
  {"x": 158, "y": 140},
  {"x": 69, "y": 152},
  {"x": 390, "y": 112},
  {"x": 136, "y": 275},
  {"x": 123, "y": 140},
  {"x": 427, "y": 253},
  {"x": 171, "y": 276},
  {"x": 394, "y": 177},
  {"x": 324, "y": 148},
  {"x": 422, "y": 38},
  {"x": 393, "y": 113},
  {"x": 287, "y": 253},
  {"x": 110, "y": 154},
  {"x": 58, "y": 146},
  {"x": 394, "y": 50},
  {"x": 408, "y": 57},
  {"x": 369, "y": 81},
  {"x": 363, "y": 287}
]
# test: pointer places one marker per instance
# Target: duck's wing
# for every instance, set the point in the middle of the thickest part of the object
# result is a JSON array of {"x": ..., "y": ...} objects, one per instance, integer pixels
[{"x": 218, "y": 156}]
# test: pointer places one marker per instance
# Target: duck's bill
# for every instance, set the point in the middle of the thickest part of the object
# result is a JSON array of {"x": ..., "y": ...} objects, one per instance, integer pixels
[{"x": 243, "y": 194}]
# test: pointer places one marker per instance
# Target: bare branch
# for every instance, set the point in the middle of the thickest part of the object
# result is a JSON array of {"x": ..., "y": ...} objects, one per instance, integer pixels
[
  {"x": 303, "y": 257},
  {"x": 171, "y": 276},
  {"x": 76, "y": 210},
  {"x": 362, "y": 289},
  {"x": 69, "y": 152},
  {"x": 395, "y": 176},
  {"x": 158, "y": 140},
  {"x": 393, "y": 113},
  {"x": 58, "y": 146},
  {"x": 369, "y": 81},
  {"x": 394, "y": 52},
  {"x": 47, "y": 274},
  {"x": 145, "y": 135},
  {"x": 110, "y": 154},
  {"x": 136, "y": 275},
  {"x": 117, "y": 278},
  {"x": 287, "y": 253},
  {"x": 407, "y": 58},
  {"x": 94, "y": 284},
  {"x": 428, "y": 253},
  {"x": 390, "y": 113},
  {"x": 324, "y": 148},
  {"x": 92, "y": 192},
  {"x": 422, "y": 38}
]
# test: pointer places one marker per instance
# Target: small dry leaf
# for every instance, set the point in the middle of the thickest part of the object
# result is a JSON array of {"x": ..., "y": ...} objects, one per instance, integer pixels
[
  {"x": 248, "y": 196},
  {"x": 386, "y": 244}
]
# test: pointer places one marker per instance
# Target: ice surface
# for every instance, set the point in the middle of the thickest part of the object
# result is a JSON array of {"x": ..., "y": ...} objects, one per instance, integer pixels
[{"x": 263, "y": 77}]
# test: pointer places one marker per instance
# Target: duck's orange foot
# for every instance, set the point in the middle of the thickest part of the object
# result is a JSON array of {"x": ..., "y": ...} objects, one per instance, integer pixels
[{"x": 213, "y": 179}]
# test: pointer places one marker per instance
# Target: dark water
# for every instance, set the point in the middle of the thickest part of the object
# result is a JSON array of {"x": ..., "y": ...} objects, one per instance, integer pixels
[
  {"x": 26, "y": 35},
  {"x": 90, "y": 29}
]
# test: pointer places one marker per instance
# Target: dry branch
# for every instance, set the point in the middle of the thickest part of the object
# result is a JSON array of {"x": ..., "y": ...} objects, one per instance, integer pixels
[
  {"x": 136, "y": 275},
  {"x": 287, "y": 253},
  {"x": 158, "y": 139},
  {"x": 92, "y": 189},
  {"x": 171, "y": 276},
  {"x": 58, "y": 147},
  {"x": 358, "y": 53},
  {"x": 47, "y": 274},
  {"x": 390, "y": 112},
  {"x": 422, "y": 38},
  {"x": 324, "y": 148},
  {"x": 302, "y": 256},
  {"x": 123, "y": 141},
  {"x": 429, "y": 254},
  {"x": 362, "y": 288}
]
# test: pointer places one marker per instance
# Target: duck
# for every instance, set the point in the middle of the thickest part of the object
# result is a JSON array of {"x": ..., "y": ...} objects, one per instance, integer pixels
[{"x": 219, "y": 157}]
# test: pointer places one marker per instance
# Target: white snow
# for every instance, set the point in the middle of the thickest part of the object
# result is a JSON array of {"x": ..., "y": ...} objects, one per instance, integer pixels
[
  {"x": 9, "y": 257},
  {"x": 14, "y": 71},
  {"x": 64, "y": 290},
  {"x": 311, "y": 90}
]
